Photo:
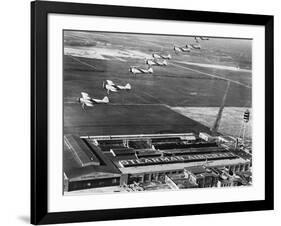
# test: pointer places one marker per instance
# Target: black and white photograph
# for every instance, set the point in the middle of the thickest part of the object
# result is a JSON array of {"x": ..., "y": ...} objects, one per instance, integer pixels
[
  {"x": 155, "y": 112},
  {"x": 140, "y": 112}
]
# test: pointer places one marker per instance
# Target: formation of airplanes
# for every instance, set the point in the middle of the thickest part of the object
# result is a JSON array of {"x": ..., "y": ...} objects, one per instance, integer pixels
[
  {"x": 161, "y": 59},
  {"x": 182, "y": 49},
  {"x": 87, "y": 100},
  {"x": 187, "y": 47},
  {"x": 190, "y": 46},
  {"x": 156, "y": 60}
]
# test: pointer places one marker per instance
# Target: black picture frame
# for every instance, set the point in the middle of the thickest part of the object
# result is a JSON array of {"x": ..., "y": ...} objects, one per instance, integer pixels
[{"x": 39, "y": 112}]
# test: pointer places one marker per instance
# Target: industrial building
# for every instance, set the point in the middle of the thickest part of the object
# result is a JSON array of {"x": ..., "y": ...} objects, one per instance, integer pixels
[{"x": 121, "y": 160}]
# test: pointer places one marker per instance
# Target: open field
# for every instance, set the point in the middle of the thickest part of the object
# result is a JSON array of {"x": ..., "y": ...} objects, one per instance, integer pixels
[
  {"x": 231, "y": 121},
  {"x": 173, "y": 85},
  {"x": 126, "y": 119},
  {"x": 217, "y": 51},
  {"x": 195, "y": 79}
]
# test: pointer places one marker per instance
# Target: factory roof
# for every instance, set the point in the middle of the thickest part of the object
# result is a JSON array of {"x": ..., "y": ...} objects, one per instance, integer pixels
[
  {"x": 75, "y": 171},
  {"x": 196, "y": 169},
  {"x": 180, "y": 166}
]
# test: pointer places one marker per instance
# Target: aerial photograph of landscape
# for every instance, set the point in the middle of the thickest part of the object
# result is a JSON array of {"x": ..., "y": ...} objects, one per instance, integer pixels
[{"x": 154, "y": 112}]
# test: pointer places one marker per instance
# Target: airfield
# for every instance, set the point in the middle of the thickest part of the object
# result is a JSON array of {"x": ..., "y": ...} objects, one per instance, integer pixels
[{"x": 157, "y": 102}]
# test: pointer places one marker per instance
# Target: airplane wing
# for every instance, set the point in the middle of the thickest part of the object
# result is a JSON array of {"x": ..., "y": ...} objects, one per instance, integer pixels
[
  {"x": 109, "y": 82},
  {"x": 116, "y": 87},
  {"x": 142, "y": 70},
  {"x": 156, "y": 55},
  {"x": 85, "y": 96}
]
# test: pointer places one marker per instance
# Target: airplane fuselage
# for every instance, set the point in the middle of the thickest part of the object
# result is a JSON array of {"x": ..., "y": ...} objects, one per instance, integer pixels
[
  {"x": 135, "y": 70},
  {"x": 92, "y": 101},
  {"x": 111, "y": 88},
  {"x": 157, "y": 56},
  {"x": 182, "y": 49},
  {"x": 193, "y": 46},
  {"x": 154, "y": 62}
]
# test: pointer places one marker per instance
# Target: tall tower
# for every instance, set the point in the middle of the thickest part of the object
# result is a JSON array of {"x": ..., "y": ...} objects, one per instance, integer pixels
[
  {"x": 219, "y": 115},
  {"x": 246, "y": 118}
]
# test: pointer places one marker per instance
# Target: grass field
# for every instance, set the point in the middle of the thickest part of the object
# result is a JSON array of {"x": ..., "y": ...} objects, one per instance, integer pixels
[
  {"x": 171, "y": 85},
  {"x": 127, "y": 119},
  {"x": 231, "y": 122}
]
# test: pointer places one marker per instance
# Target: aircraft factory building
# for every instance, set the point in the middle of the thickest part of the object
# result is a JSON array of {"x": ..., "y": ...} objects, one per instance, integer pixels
[{"x": 121, "y": 160}]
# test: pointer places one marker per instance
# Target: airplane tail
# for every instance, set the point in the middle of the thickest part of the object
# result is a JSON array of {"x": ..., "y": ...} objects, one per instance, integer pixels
[
  {"x": 128, "y": 86},
  {"x": 149, "y": 62},
  {"x": 165, "y": 62},
  {"x": 150, "y": 70},
  {"x": 169, "y": 56},
  {"x": 105, "y": 99}
]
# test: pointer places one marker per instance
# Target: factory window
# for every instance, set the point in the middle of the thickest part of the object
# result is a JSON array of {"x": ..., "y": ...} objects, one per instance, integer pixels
[
  {"x": 161, "y": 176},
  {"x": 146, "y": 177},
  {"x": 133, "y": 179},
  {"x": 241, "y": 167},
  {"x": 101, "y": 182}
]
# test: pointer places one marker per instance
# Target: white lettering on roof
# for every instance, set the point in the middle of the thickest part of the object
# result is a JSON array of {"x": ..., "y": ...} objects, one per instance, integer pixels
[{"x": 173, "y": 159}]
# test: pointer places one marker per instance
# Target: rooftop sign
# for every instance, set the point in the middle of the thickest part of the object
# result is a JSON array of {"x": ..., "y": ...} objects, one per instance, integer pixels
[{"x": 175, "y": 159}]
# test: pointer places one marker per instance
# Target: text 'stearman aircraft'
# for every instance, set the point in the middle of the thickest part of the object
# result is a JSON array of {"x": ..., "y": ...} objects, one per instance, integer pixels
[
  {"x": 86, "y": 100},
  {"x": 181, "y": 49},
  {"x": 111, "y": 86},
  {"x": 155, "y": 62},
  {"x": 137, "y": 70},
  {"x": 160, "y": 56}
]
